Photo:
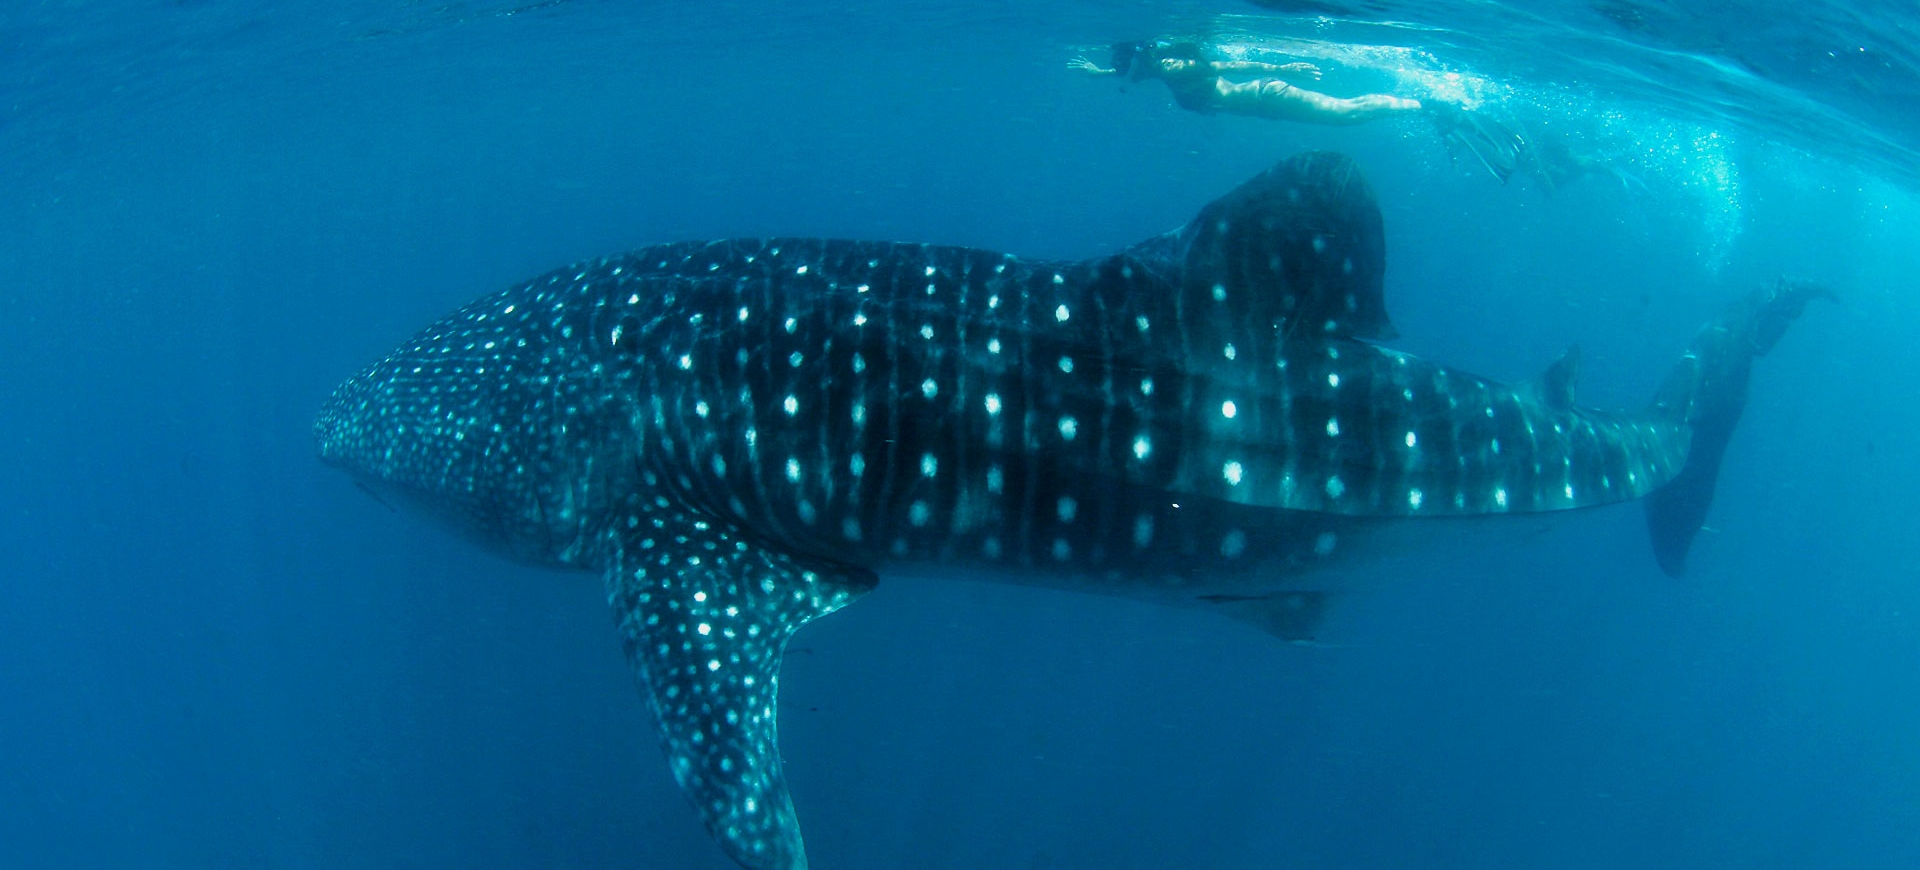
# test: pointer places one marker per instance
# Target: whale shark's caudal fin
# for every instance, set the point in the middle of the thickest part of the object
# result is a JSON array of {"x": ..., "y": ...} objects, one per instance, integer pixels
[
  {"x": 706, "y": 613},
  {"x": 1707, "y": 391}
]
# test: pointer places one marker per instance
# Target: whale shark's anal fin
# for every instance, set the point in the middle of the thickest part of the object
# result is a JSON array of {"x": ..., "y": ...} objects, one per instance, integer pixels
[
  {"x": 1708, "y": 392},
  {"x": 1291, "y": 616},
  {"x": 705, "y": 613}
]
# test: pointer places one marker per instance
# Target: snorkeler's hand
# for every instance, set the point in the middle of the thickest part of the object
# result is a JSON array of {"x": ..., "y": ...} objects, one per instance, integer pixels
[
  {"x": 1084, "y": 65},
  {"x": 1303, "y": 68}
]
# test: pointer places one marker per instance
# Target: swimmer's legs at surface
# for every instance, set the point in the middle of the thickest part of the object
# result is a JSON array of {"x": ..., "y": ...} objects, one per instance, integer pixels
[{"x": 1280, "y": 101}]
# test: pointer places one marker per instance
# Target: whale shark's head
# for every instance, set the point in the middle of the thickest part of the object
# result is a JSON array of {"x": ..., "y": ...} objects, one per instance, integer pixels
[
  {"x": 458, "y": 426},
  {"x": 398, "y": 449}
]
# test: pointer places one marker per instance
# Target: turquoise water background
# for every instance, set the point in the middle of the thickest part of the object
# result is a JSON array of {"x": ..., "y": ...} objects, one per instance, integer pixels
[{"x": 216, "y": 653}]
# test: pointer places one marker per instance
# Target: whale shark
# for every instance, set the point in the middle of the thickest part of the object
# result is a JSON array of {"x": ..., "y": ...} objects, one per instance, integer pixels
[{"x": 742, "y": 436}]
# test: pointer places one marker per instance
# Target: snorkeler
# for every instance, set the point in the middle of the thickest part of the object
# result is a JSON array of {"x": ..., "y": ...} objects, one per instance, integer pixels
[{"x": 1201, "y": 85}]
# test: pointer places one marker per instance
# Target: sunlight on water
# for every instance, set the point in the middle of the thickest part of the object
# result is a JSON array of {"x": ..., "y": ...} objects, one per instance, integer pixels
[
  {"x": 1712, "y": 176},
  {"x": 1687, "y": 170}
]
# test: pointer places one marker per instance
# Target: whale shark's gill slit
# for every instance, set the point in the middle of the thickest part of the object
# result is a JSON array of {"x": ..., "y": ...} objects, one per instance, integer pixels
[
  {"x": 705, "y": 615},
  {"x": 885, "y": 449},
  {"x": 1119, "y": 429}
]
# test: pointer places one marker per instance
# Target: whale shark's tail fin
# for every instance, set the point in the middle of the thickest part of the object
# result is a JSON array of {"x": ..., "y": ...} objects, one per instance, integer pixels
[{"x": 1707, "y": 391}]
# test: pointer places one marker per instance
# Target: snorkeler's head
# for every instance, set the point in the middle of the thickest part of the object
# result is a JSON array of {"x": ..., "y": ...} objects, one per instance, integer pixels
[{"x": 1141, "y": 60}]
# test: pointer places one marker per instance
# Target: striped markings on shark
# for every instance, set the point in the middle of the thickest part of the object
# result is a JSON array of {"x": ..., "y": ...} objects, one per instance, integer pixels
[{"x": 741, "y": 435}]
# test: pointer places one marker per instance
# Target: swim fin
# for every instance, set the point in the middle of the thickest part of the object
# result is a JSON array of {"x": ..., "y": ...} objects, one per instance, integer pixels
[{"x": 1496, "y": 146}]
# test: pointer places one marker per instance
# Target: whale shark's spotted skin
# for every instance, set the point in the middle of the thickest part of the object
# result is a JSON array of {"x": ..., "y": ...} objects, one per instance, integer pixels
[{"x": 739, "y": 434}]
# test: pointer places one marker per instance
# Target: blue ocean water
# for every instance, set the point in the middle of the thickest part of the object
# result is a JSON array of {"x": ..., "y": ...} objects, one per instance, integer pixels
[{"x": 215, "y": 652}]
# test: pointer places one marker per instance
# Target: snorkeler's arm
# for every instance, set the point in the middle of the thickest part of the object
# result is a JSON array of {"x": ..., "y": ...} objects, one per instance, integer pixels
[
  {"x": 1084, "y": 65},
  {"x": 1298, "y": 69}
]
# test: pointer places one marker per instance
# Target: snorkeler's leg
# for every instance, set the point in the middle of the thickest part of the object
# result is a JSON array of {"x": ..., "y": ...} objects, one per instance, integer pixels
[
  {"x": 1284, "y": 102},
  {"x": 1355, "y": 110}
]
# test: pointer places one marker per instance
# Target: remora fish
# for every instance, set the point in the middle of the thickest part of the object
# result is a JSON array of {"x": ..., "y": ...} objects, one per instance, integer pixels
[{"x": 739, "y": 434}]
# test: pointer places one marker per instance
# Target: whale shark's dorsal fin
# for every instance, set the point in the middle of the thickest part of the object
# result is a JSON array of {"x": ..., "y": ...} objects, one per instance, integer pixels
[
  {"x": 705, "y": 614},
  {"x": 1300, "y": 245}
]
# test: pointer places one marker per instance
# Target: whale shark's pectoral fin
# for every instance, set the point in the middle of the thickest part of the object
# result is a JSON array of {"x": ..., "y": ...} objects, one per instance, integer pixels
[{"x": 705, "y": 614}]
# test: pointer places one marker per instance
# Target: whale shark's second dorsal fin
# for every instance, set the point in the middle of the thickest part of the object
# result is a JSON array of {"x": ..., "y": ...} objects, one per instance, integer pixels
[
  {"x": 1555, "y": 386},
  {"x": 1299, "y": 246}
]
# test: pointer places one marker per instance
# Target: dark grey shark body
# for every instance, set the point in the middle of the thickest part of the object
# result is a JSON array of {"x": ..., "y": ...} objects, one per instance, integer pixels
[{"x": 740, "y": 434}]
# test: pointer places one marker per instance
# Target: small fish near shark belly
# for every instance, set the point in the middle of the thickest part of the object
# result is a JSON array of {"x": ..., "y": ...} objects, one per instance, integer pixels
[{"x": 741, "y": 435}]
